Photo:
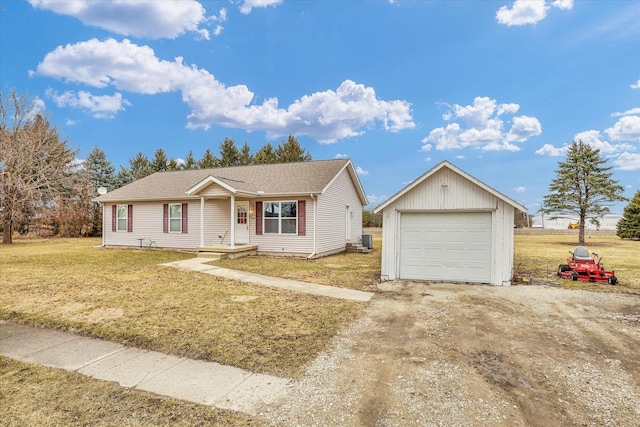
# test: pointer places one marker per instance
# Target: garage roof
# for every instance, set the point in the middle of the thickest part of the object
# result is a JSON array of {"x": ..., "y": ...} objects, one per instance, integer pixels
[{"x": 446, "y": 164}]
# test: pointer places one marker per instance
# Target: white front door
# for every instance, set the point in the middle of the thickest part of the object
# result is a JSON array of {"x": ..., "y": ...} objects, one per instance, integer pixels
[{"x": 242, "y": 223}]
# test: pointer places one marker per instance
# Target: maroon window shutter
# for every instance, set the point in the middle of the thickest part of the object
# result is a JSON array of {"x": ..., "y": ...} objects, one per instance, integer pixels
[
  {"x": 185, "y": 207},
  {"x": 258, "y": 218},
  {"x": 129, "y": 218},
  {"x": 114, "y": 218},
  {"x": 165, "y": 218},
  {"x": 302, "y": 218}
]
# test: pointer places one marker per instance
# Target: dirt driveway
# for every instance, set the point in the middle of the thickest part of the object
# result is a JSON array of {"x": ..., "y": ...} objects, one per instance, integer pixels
[{"x": 475, "y": 356}]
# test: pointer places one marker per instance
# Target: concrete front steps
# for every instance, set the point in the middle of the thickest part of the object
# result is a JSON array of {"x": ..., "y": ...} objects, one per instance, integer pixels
[
  {"x": 218, "y": 252},
  {"x": 357, "y": 248}
]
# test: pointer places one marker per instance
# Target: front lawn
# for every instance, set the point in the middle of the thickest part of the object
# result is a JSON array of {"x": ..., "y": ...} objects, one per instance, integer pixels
[
  {"x": 124, "y": 295},
  {"x": 354, "y": 271},
  {"x": 32, "y": 395}
]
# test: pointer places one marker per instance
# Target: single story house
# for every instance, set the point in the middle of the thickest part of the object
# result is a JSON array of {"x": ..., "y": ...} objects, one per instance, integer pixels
[
  {"x": 448, "y": 226},
  {"x": 298, "y": 209}
]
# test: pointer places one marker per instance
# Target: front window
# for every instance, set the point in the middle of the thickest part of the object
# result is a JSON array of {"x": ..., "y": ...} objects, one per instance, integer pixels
[
  {"x": 175, "y": 218},
  {"x": 280, "y": 217},
  {"x": 121, "y": 216}
]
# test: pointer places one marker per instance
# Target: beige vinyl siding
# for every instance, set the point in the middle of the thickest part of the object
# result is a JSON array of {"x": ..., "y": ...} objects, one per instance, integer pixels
[
  {"x": 445, "y": 191},
  {"x": 214, "y": 190},
  {"x": 216, "y": 222},
  {"x": 331, "y": 223},
  {"x": 286, "y": 244},
  {"x": 148, "y": 225}
]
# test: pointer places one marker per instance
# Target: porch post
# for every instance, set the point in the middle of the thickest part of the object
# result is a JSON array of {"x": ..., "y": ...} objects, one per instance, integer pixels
[
  {"x": 201, "y": 221},
  {"x": 233, "y": 221}
]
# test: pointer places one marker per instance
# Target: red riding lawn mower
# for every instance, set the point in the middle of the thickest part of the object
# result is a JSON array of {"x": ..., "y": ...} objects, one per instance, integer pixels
[{"x": 585, "y": 267}]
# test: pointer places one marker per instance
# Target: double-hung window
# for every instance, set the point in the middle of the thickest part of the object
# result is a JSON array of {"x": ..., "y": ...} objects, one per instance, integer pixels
[
  {"x": 175, "y": 218},
  {"x": 122, "y": 218},
  {"x": 280, "y": 217}
]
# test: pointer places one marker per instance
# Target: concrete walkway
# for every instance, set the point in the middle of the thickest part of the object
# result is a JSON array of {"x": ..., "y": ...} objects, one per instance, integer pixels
[
  {"x": 196, "y": 381},
  {"x": 199, "y": 264}
]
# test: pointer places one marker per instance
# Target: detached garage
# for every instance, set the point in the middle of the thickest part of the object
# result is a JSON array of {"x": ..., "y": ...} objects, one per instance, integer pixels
[{"x": 448, "y": 226}]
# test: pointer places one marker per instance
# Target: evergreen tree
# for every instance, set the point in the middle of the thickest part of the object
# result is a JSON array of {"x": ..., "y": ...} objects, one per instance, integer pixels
[
  {"x": 100, "y": 170},
  {"x": 245, "y": 155},
  {"x": 123, "y": 177},
  {"x": 291, "y": 151},
  {"x": 173, "y": 165},
  {"x": 229, "y": 154},
  {"x": 266, "y": 154},
  {"x": 189, "y": 162},
  {"x": 208, "y": 160},
  {"x": 629, "y": 225},
  {"x": 160, "y": 162},
  {"x": 583, "y": 187},
  {"x": 139, "y": 166}
]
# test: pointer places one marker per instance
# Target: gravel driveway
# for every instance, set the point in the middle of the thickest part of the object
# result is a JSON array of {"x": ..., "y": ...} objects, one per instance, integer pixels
[{"x": 443, "y": 354}]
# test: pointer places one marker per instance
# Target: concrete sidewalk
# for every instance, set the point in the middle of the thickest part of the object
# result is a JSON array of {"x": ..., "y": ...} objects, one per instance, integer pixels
[
  {"x": 199, "y": 264},
  {"x": 196, "y": 381}
]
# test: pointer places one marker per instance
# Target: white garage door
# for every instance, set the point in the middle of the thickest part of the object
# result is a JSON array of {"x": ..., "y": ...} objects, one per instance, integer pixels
[{"x": 446, "y": 246}]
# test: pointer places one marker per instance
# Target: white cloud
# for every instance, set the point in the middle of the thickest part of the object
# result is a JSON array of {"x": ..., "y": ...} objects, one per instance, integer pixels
[
  {"x": 628, "y": 161},
  {"x": 361, "y": 171},
  {"x": 520, "y": 189},
  {"x": 620, "y": 153},
  {"x": 139, "y": 18},
  {"x": 635, "y": 85},
  {"x": 523, "y": 128},
  {"x": 630, "y": 112},
  {"x": 70, "y": 122},
  {"x": 550, "y": 150},
  {"x": 481, "y": 125},
  {"x": 524, "y": 12},
  {"x": 101, "y": 106},
  {"x": 563, "y": 4},
  {"x": 627, "y": 128},
  {"x": 326, "y": 116},
  {"x": 592, "y": 138},
  {"x": 376, "y": 200},
  {"x": 247, "y": 5},
  {"x": 341, "y": 156}
]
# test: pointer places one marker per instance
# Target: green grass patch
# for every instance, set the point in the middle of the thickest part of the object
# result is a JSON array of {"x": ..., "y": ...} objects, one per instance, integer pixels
[
  {"x": 124, "y": 295},
  {"x": 32, "y": 395}
]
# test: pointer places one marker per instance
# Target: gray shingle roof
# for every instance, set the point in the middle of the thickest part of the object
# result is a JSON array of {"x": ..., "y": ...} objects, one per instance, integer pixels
[{"x": 272, "y": 179}]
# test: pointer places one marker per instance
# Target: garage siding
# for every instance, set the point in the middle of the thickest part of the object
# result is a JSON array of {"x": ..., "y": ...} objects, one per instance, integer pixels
[{"x": 446, "y": 191}]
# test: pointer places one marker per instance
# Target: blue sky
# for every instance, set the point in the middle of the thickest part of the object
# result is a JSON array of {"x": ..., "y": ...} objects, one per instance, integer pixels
[{"x": 498, "y": 88}]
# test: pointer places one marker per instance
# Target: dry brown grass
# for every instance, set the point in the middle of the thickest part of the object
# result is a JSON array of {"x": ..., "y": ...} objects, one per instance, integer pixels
[
  {"x": 538, "y": 256},
  {"x": 354, "y": 271},
  {"x": 124, "y": 295},
  {"x": 31, "y": 395}
]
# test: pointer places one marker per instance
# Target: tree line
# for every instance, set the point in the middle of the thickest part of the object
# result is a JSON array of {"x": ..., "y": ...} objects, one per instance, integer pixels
[
  {"x": 141, "y": 166},
  {"x": 45, "y": 191}
]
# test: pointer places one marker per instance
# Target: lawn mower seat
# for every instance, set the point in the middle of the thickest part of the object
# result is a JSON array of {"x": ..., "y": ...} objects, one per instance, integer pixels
[{"x": 581, "y": 253}]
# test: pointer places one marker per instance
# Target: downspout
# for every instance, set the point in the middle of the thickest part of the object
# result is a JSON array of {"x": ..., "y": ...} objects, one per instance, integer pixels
[
  {"x": 202, "y": 221},
  {"x": 104, "y": 210},
  {"x": 314, "y": 228}
]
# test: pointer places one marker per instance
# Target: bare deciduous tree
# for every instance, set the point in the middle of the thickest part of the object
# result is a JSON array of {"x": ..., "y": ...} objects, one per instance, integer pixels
[{"x": 34, "y": 162}]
